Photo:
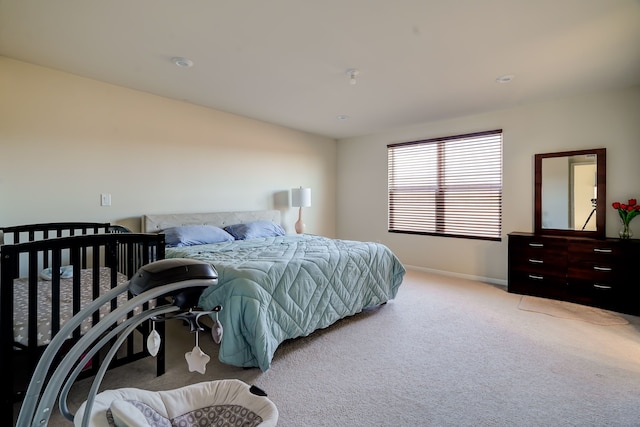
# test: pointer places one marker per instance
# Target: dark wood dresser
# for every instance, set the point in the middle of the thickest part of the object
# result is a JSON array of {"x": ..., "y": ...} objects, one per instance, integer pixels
[{"x": 597, "y": 272}]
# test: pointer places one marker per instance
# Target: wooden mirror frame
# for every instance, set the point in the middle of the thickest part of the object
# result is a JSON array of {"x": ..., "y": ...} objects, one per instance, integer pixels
[{"x": 601, "y": 176}]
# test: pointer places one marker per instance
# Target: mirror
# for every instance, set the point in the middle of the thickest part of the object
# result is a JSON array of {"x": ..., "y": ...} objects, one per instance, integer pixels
[{"x": 570, "y": 193}]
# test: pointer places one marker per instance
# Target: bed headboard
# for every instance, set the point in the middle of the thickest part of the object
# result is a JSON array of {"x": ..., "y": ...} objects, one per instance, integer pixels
[{"x": 159, "y": 222}]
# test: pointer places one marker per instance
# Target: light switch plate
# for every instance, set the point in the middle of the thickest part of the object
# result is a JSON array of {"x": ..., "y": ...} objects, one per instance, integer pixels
[{"x": 105, "y": 199}]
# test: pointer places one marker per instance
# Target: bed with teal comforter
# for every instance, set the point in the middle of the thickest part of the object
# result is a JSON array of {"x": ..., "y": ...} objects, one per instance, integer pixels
[{"x": 276, "y": 288}]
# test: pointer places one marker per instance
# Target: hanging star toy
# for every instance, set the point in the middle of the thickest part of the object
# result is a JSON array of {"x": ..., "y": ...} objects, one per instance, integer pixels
[{"x": 197, "y": 359}]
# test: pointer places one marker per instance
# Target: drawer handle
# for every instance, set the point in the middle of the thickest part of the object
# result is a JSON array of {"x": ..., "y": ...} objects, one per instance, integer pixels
[
  {"x": 595, "y": 267},
  {"x": 536, "y": 277},
  {"x": 595, "y": 285},
  {"x": 602, "y": 251},
  {"x": 536, "y": 245},
  {"x": 536, "y": 261}
]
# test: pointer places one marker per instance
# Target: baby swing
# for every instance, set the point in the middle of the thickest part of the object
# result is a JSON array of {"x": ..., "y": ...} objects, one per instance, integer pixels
[{"x": 223, "y": 402}]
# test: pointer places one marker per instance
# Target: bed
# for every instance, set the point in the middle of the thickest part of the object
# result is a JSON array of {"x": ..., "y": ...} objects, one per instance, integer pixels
[
  {"x": 48, "y": 272},
  {"x": 275, "y": 286}
]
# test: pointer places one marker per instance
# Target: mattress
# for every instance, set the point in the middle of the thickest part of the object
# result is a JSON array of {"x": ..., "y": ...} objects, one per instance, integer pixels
[
  {"x": 45, "y": 301},
  {"x": 277, "y": 288}
]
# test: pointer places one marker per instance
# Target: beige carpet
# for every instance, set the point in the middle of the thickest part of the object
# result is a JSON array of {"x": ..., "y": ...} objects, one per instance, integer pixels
[
  {"x": 567, "y": 310},
  {"x": 446, "y": 352}
]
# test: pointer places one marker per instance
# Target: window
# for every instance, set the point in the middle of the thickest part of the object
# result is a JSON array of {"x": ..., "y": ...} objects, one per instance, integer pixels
[{"x": 449, "y": 186}]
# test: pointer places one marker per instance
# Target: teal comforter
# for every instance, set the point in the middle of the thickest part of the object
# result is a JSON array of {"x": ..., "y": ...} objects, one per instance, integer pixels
[{"x": 277, "y": 288}]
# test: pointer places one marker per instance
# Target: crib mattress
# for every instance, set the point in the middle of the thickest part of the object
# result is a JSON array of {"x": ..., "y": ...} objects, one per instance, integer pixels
[{"x": 45, "y": 300}]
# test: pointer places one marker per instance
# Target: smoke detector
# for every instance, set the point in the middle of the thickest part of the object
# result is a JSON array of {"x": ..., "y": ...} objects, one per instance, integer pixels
[{"x": 353, "y": 74}]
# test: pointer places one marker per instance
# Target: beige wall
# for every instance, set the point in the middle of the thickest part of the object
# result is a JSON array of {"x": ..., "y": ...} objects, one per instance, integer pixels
[
  {"x": 64, "y": 140},
  {"x": 610, "y": 120}
]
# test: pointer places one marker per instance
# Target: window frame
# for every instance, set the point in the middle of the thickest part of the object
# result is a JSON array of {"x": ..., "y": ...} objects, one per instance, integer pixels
[{"x": 436, "y": 210}]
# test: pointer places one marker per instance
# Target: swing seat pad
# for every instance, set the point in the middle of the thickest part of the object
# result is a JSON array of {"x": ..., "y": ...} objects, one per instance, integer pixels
[{"x": 223, "y": 402}]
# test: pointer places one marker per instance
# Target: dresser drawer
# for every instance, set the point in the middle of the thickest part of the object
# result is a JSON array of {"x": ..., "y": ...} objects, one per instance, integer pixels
[
  {"x": 592, "y": 287},
  {"x": 600, "y": 251},
  {"x": 539, "y": 284},
  {"x": 537, "y": 279},
  {"x": 540, "y": 266},
  {"x": 539, "y": 257},
  {"x": 600, "y": 294},
  {"x": 595, "y": 271},
  {"x": 538, "y": 245}
]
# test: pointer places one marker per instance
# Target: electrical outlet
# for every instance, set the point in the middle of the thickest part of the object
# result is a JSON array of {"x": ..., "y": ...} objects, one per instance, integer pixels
[{"x": 105, "y": 199}]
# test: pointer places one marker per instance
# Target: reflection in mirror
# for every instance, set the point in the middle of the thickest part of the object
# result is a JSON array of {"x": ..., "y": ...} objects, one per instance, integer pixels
[{"x": 570, "y": 193}]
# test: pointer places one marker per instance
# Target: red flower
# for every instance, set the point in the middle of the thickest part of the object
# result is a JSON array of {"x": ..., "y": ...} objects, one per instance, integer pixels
[{"x": 627, "y": 211}]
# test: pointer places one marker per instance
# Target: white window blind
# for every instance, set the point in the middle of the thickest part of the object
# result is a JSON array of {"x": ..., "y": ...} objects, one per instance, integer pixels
[{"x": 449, "y": 186}]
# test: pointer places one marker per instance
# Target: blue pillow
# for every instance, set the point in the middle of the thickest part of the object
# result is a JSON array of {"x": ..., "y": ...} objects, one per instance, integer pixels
[
  {"x": 255, "y": 229},
  {"x": 188, "y": 235}
]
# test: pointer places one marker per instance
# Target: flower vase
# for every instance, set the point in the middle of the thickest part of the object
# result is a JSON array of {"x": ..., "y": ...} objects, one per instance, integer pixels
[{"x": 625, "y": 231}]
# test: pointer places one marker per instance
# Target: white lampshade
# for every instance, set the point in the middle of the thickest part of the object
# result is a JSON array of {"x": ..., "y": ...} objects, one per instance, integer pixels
[{"x": 300, "y": 197}]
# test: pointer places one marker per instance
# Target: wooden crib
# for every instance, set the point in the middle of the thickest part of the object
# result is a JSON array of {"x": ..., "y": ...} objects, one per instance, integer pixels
[{"x": 47, "y": 273}]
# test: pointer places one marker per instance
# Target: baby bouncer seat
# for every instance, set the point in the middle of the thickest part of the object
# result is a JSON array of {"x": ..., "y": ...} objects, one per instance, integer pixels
[{"x": 212, "y": 403}]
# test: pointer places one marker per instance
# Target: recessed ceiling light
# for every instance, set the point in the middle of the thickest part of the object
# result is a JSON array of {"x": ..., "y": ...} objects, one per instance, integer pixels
[
  {"x": 342, "y": 117},
  {"x": 507, "y": 78},
  {"x": 182, "y": 62}
]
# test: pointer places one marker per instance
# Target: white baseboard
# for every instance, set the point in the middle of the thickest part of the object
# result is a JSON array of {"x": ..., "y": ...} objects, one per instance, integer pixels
[{"x": 491, "y": 280}]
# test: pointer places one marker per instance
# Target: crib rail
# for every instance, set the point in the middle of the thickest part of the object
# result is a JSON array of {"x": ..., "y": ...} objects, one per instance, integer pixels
[
  {"x": 118, "y": 253},
  {"x": 44, "y": 231},
  {"x": 31, "y": 232}
]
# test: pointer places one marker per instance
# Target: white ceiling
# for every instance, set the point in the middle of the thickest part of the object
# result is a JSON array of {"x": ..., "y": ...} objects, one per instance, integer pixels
[{"x": 285, "y": 61}]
